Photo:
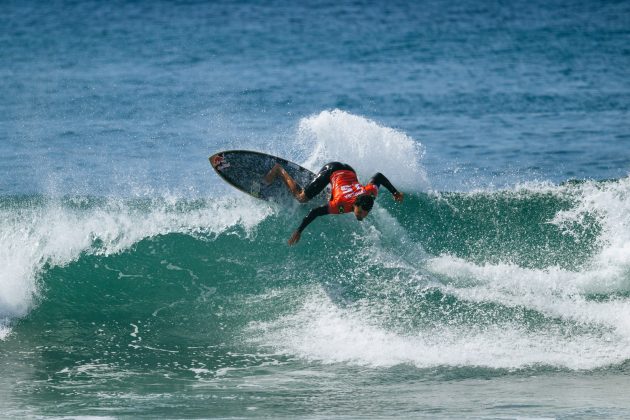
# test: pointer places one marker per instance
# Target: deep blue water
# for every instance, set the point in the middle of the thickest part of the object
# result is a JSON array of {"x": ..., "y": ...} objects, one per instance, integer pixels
[
  {"x": 135, "y": 282},
  {"x": 519, "y": 89}
]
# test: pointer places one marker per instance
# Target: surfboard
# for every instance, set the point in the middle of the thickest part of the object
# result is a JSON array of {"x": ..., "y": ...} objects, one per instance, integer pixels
[{"x": 245, "y": 170}]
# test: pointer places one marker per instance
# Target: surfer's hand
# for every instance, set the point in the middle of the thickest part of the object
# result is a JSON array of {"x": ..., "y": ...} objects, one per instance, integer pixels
[
  {"x": 294, "y": 238},
  {"x": 398, "y": 196}
]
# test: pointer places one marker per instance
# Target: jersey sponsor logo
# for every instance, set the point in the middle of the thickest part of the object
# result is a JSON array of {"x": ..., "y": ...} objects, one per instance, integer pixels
[{"x": 352, "y": 190}]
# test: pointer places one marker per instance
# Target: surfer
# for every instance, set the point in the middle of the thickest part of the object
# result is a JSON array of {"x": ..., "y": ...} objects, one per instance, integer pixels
[{"x": 348, "y": 195}]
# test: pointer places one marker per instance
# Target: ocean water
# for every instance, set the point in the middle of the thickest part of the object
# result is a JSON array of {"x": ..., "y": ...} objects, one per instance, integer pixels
[{"x": 135, "y": 283}]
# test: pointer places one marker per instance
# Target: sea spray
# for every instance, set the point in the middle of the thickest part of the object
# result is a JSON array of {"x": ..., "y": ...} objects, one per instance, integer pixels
[{"x": 365, "y": 145}]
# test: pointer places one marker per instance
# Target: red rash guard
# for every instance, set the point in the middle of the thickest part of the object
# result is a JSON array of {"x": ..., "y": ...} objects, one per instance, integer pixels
[{"x": 345, "y": 190}]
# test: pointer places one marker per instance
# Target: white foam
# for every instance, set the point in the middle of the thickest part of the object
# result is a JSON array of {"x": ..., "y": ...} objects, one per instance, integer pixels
[
  {"x": 322, "y": 331},
  {"x": 57, "y": 234},
  {"x": 609, "y": 203},
  {"x": 367, "y": 146},
  {"x": 4, "y": 329},
  {"x": 553, "y": 291}
]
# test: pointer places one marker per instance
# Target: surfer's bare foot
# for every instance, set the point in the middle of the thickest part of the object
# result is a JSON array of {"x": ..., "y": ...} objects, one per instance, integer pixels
[{"x": 272, "y": 174}]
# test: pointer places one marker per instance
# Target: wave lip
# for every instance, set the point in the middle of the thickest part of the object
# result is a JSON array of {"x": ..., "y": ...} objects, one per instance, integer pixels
[
  {"x": 42, "y": 233},
  {"x": 609, "y": 203}
]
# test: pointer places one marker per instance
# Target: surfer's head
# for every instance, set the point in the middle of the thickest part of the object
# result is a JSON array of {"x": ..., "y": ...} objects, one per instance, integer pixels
[{"x": 362, "y": 206}]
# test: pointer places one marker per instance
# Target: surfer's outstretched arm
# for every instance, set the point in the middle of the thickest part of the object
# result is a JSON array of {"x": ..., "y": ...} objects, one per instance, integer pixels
[
  {"x": 312, "y": 215},
  {"x": 379, "y": 179},
  {"x": 294, "y": 187}
]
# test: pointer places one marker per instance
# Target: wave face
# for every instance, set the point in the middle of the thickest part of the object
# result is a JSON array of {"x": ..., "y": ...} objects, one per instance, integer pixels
[
  {"x": 535, "y": 276},
  {"x": 147, "y": 302}
]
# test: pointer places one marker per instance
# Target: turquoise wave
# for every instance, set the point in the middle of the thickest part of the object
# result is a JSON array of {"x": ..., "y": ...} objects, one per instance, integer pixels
[{"x": 532, "y": 268}]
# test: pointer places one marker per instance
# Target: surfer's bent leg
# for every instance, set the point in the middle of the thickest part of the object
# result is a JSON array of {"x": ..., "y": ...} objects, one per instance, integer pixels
[
  {"x": 291, "y": 183},
  {"x": 316, "y": 186},
  {"x": 322, "y": 178}
]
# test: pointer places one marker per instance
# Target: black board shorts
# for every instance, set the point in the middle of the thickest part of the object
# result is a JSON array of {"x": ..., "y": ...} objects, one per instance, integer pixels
[{"x": 322, "y": 178}]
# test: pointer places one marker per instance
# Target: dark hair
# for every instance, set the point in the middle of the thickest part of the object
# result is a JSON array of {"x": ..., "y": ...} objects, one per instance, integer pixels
[{"x": 365, "y": 201}]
